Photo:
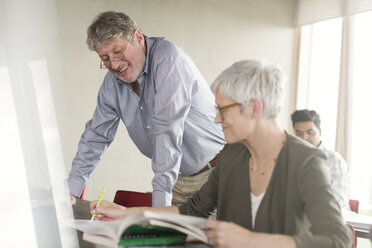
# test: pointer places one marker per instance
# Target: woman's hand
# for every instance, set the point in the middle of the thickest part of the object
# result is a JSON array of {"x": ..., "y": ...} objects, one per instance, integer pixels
[
  {"x": 108, "y": 211},
  {"x": 226, "y": 234}
]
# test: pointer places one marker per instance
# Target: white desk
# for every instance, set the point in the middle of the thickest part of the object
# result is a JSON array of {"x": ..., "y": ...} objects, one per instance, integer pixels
[{"x": 361, "y": 223}]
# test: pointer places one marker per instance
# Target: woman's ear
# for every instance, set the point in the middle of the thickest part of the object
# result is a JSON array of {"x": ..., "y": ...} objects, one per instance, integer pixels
[{"x": 256, "y": 107}]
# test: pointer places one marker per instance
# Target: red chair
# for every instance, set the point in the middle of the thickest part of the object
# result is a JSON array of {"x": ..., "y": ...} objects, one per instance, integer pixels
[
  {"x": 354, "y": 205},
  {"x": 133, "y": 199},
  {"x": 354, "y": 236},
  {"x": 82, "y": 192}
]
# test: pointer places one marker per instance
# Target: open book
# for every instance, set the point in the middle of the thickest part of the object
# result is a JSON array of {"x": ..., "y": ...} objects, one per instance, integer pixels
[{"x": 146, "y": 228}]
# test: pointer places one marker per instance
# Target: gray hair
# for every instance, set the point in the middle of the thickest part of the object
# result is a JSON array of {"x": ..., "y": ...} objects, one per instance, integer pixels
[
  {"x": 108, "y": 25},
  {"x": 249, "y": 79}
]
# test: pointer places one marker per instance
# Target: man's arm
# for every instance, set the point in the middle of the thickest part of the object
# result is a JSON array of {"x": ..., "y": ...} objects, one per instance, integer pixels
[
  {"x": 174, "y": 87},
  {"x": 98, "y": 135}
]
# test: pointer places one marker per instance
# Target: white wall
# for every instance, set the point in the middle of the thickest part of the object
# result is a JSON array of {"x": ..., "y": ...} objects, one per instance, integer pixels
[{"x": 215, "y": 33}]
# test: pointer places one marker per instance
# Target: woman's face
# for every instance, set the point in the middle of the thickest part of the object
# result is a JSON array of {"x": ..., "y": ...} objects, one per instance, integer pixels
[{"x": 234, "y": 120}]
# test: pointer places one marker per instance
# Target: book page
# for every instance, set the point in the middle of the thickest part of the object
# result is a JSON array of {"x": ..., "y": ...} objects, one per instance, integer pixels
[
  {"x": 78, "y": 224},
  {"x": 184, "y": 220},
  {"x": 194, "y": 233},
  {"x": 102, "y": 232}
]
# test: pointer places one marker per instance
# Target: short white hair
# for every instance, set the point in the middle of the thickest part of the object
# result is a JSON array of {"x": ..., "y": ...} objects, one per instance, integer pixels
[{"x": 249, "y": 79}]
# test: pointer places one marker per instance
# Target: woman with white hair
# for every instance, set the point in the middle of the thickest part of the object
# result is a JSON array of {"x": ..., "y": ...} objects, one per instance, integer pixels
[{"x": 270, "y": 188}]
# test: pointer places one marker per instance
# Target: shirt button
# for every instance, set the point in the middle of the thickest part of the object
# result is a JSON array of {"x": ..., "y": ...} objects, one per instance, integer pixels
[
  {"x": 141, "y": 107},
  {"x": 148, "y": 126}
]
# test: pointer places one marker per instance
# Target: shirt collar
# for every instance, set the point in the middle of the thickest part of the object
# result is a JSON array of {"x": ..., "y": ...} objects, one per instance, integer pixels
[
  {"x": 320, "y": 145},
  {"x": 148, "y": 43}
]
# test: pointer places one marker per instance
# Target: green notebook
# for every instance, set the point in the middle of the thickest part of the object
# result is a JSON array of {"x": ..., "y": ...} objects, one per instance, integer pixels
[{"x": 144, "y": 234}]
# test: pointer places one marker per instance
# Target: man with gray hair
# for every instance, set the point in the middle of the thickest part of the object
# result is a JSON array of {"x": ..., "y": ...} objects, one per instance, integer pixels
[{"x": 156, "y": 90}]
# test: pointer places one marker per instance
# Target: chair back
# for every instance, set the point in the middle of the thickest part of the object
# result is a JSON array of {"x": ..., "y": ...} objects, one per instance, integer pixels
[
  {"x": 83, "y": 192},
  {"x": 354, "y": 245},
  {"x": 133, "y": 199},
  {"x": 354, "y": 205}
]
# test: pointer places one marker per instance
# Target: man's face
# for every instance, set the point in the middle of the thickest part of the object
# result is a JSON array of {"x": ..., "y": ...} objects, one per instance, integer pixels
[
  {"x": 308, "y": 131},
  {"x": 124, "y": 59}
]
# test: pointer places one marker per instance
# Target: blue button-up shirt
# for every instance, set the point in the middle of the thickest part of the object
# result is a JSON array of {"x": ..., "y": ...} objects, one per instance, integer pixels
[{"x": 171, "y": 122}]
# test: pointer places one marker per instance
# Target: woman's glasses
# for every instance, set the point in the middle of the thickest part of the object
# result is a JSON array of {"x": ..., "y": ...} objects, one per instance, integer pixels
[{"x": 223, "y": 109}]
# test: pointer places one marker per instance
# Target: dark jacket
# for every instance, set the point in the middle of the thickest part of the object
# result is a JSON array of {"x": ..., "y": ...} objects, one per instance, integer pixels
[{"x": 298, "y": 201}]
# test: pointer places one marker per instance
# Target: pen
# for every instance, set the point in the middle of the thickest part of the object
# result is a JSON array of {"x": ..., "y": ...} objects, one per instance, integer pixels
[{"x": 98, "y": 202}]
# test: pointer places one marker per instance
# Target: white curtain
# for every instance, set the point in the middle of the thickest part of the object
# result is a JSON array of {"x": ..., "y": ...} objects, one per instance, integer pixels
[
  {"x": 344, "y": 117},
  {"x": 295, "y": 71}
]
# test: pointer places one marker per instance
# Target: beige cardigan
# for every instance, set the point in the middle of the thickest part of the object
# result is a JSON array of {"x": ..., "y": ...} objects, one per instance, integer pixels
[{"x": 298, "y": 201}]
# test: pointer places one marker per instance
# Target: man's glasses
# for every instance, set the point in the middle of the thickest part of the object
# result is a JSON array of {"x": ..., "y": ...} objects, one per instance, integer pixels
[
  {"x": 103, "y": 64},
  {"x": 223, "y": 109}
]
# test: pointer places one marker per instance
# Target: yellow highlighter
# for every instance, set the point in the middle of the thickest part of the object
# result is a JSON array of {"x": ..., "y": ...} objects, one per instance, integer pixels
[{"x": 98, "y": 202}]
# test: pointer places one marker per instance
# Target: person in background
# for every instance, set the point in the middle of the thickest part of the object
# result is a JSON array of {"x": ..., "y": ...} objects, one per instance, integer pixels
[
  {"x": 306, "y": 124},
  {"x": 270, "y": 188},
  {"x": 154, "y": 87}
]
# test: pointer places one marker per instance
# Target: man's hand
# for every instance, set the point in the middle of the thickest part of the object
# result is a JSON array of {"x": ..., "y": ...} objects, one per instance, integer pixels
[{"x": 72, "y": 200}]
